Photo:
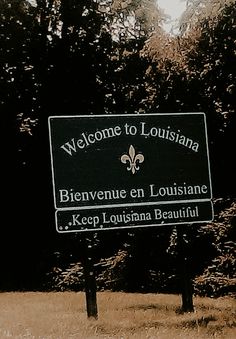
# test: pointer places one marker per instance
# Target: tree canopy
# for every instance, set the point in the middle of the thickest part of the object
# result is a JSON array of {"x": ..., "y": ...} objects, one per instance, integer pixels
[{"x": 68, "y": 57}]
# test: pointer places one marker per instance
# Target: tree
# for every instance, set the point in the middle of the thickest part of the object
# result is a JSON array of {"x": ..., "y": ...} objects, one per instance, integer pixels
[
  {"x": 19, "y": 85},
  {"x": 131, "y": 23},
  {"x": 210, "y": 61},
  {"x": 218, "y": 277},
  {"x": 193, "y": 72},
  {"x": 57, "y": 57},
  {"x": 43, "y": 60}
]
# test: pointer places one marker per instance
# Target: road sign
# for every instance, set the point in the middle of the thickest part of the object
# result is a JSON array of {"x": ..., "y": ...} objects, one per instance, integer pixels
[{"x": 120, "y": 171}]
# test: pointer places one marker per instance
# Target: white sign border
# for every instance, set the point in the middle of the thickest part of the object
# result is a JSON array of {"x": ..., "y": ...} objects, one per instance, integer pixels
[{"x": 91, "y": 116}]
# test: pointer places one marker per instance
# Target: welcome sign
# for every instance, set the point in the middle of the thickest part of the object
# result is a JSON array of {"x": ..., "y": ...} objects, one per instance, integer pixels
[{"x": 119, "y": 171}]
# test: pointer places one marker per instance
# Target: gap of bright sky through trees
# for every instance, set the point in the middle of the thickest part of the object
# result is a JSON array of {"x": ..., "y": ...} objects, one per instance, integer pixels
[{"x": 173, "y": 9}]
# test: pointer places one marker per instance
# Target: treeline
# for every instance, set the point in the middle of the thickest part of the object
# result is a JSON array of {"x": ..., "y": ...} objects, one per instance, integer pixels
[{"x": 73, "y": 57}]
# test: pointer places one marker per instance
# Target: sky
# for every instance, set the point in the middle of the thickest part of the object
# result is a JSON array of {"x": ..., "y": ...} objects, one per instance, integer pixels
[{"x": 173, "y": 8}]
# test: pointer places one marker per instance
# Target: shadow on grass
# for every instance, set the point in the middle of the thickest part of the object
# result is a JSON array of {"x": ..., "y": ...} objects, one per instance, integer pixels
[{"x": 156, "y": 307}]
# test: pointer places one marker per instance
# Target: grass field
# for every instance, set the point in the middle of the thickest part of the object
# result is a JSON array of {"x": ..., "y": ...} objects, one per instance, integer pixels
[{"x": 62, "y": 315}]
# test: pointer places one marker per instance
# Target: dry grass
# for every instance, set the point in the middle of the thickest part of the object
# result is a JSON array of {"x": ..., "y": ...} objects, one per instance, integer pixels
[{"x": 63, "y": 315}]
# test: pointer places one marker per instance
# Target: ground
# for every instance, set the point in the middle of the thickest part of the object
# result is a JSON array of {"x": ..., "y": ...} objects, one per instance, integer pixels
[{"x": 62, "y": 315}]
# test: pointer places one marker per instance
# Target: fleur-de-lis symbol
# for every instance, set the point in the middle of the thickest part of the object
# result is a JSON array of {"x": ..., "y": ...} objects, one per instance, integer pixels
[{"x": 133, "y": 160}]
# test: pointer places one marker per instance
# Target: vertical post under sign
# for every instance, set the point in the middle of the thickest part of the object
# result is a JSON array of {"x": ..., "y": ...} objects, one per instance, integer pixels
[
  {"x": 90, "y": 279},
  {"x": 185, "y": 279}
]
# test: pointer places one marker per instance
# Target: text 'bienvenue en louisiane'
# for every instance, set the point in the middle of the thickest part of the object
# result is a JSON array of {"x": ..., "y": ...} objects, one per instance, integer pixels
[{"x": 152, "y": 191}]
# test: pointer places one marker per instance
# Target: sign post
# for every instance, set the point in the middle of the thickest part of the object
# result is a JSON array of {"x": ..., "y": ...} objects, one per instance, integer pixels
[
  {"x": 90, "y": 280},
  {"x": 185, "y": 279},
  {"x": 130, "y": 171}
]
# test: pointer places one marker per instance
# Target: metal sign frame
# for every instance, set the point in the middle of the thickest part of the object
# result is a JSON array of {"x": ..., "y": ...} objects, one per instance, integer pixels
[{"x": 130, "y": 170}]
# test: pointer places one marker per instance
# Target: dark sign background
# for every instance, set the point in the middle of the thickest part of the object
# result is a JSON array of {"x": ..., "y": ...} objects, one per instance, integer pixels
[
  {"x": 98, "y": 166},
  {"x": 95, "y": 167}
]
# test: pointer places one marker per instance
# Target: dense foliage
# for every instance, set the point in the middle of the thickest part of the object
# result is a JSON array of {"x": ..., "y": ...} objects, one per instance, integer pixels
[{"x": 95, "y": 57}]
